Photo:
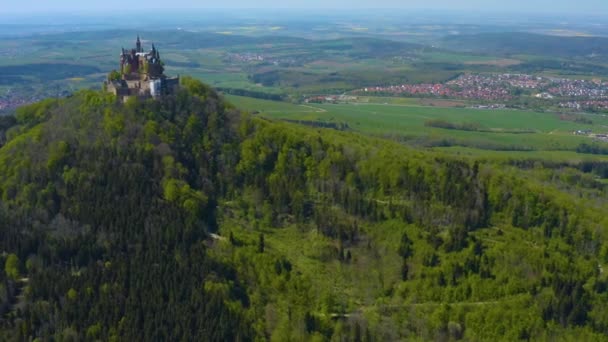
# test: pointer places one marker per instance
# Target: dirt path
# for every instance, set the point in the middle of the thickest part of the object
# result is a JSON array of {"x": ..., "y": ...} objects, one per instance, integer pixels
[
  {"x": 316, "y": 109},
  {"x": 217, "y": 237},
  {"x": 494, "y": 302}
]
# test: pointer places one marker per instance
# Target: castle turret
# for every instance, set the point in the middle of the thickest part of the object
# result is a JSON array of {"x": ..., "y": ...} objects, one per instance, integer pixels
[{"x": 123, "y": 60}]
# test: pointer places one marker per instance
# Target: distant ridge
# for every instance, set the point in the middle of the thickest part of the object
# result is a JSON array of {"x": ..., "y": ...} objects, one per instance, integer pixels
[
  {"x": 528, "y": 43},
  {"x": 182, "y": 39}
]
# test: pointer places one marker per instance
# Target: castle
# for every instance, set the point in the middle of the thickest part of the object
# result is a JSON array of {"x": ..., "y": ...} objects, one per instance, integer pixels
[{"x": 141, "y": 75}]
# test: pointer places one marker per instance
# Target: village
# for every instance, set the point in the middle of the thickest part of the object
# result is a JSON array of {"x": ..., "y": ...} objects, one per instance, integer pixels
[
  {"x": 589, "y": 105},
  {"x": 581, "y": 94},
  {"x": 9, "y": 102},
  {"x": 23, "y": 95},
  {"x": 603, "y": 137},
  {"x": 252, "y": 57}
]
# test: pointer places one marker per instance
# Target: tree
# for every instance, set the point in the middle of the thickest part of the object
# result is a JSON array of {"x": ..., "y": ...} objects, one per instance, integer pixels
[
  {"x": 114, "y": 76},
  {"x": 11, "y": 267},
  {"x": 405, "y": 269},
  {"x": 261, "y": 245},
  {"x": 72, "y": 294},
  {"x": 406, "y": 247}
]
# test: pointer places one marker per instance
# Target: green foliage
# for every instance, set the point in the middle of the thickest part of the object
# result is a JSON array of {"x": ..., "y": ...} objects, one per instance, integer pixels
[
  {"x": 406, "y": 247},
  {"x": 72, "y": 294},
  {"x": 491, "y": 134},
  {"x": 33, "y": 114},
  {"x": 121, "y": 211},
  {"x": 96, "y": 173},
  {"x": 6, "y": 123},
  {"x": 467, "y": 126},
  {"x": 261, "y": 244},
  {"x": 94, "y": 331},
  {"x": 114, "y": 76},
  {"x": 113, "y": 123},
  {"x": 12, "y": 266},
  {"x": 592, "y": 148},
  {"x": 194, "y": 86},
  {"x": 521, "y": 43},
  {"x": 58, "y": 153}
]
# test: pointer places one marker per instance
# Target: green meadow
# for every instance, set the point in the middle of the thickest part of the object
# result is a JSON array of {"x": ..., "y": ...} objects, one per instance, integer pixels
[{"x": 501, "y": 132}]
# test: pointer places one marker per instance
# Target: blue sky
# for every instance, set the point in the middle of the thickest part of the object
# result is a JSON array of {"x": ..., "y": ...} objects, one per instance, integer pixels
[{"x": 536, "y": 6}]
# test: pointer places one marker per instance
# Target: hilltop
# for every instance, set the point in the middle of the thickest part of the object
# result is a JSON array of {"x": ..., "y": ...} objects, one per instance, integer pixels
[{"x": 185, "y": 218}]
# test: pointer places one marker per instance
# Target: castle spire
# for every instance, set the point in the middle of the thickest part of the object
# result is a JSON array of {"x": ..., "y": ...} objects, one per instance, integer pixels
[{"x": 138, "y": 44}]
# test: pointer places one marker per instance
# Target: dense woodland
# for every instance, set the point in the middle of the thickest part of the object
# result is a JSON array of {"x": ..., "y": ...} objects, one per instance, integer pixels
[{"x": 185, "y": 219}]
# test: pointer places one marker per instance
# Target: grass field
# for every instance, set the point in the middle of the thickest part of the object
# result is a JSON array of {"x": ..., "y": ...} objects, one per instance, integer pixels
[
  {"x": 288, "y": 66},
  {"x": 430, "y": 102},
  {"x": 551, "y": 136},
  {"x": 452, "y": 57},
  {"x": 312, "y": 254},
  {"x": 564, "y": 156}
]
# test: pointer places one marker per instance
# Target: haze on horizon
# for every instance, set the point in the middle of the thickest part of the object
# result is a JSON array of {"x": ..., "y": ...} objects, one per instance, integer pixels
[{"x": 528, "y": 6}]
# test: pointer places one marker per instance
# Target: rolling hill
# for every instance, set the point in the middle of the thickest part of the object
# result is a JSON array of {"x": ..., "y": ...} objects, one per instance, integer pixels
[
  {"x": 520, "y": 43},
  {"x": 185, "y": 219}
]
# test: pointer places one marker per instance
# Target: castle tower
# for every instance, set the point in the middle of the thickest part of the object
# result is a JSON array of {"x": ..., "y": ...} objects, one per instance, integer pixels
[
  {"x": 123, "y": 60},
  {"x": 138, "y": 45}
]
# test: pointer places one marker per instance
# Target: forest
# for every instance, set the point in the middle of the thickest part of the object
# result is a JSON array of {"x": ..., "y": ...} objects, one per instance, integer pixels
[{"x": 184, "y": 218}]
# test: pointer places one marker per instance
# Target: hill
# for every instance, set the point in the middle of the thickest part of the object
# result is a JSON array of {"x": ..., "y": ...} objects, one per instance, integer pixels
[
  {"x": 184, "y": 219},
  {"x": 361, "y": 47},
  {"x": 520, "y": 43}
]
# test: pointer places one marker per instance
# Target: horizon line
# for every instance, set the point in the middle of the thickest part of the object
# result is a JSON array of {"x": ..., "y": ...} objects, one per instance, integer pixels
[{"x": 105, "y": 11}]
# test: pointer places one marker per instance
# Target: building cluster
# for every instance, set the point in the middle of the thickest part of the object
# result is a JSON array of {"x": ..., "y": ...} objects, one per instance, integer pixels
[
  {"x": 329, "y": 98},
  {"x": 251, "y": 57},
  {"x": 470, "y": 87},
  {"x": 21, "y": 95},
  {"x": 321, "y": 99},
  {"x": 588, "y": 133},
  {"x": 585, "y": 105},
  {"x": 246, "y": 57},
  {"x": 141, "y": 75},
  {"x": 578, "y": 88},
  {"x": 490, "y": 106},
  {"x": 504, "y": 87},
  {"x": 600, "y": 137},
  {"x": 10, "y": 102},
  {"x": 413, "y": 89}
]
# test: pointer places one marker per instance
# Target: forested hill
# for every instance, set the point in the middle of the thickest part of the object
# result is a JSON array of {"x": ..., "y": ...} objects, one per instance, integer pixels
[
  {"x": 184, "y": 219},
  {"x": 515, "y": 43}
]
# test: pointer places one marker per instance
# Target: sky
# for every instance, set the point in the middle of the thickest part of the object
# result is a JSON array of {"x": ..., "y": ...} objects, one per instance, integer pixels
[{"x": 531, "y": 6}]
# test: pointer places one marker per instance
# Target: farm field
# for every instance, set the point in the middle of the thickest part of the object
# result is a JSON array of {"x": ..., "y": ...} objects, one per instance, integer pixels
[
  {"x": 276, "y": 61},
  {"x": 570, "y": 157},
  {"x": 406, "y": 122}
]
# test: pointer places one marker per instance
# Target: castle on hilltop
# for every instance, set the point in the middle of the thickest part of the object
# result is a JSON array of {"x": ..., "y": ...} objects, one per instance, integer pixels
[{"x": 141, "y": 75}]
